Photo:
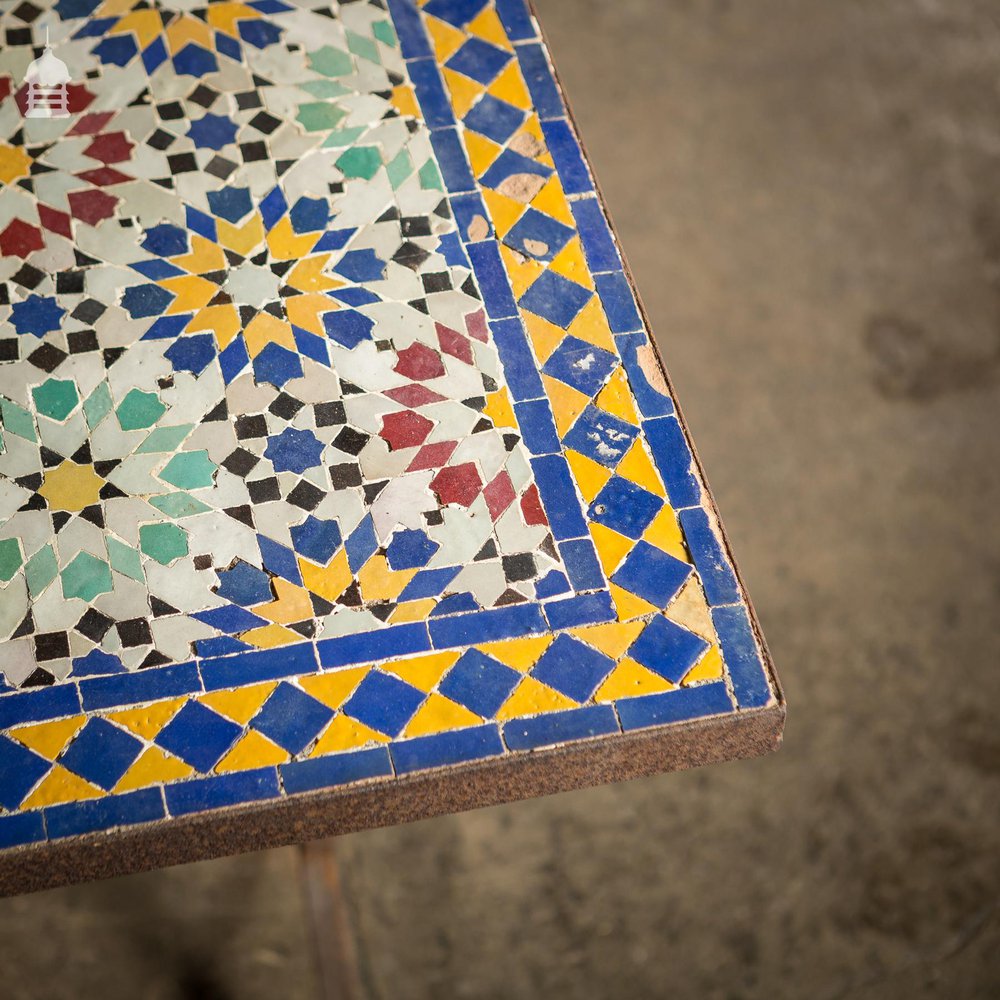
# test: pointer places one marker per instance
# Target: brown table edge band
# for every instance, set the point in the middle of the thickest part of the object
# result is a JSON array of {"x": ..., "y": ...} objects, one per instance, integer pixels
[{"x": 388, "y": 801}]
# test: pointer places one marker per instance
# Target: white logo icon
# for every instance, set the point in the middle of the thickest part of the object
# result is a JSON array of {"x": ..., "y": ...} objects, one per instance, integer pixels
[{"x": 47, "y": 79}]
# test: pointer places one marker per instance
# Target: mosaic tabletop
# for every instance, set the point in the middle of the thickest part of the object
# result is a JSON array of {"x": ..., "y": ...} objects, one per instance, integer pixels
[{"x": 340, "y": 482}]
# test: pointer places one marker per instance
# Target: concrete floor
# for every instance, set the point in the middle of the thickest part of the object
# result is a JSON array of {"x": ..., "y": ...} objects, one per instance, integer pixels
[{"x": 808, "y": 195}]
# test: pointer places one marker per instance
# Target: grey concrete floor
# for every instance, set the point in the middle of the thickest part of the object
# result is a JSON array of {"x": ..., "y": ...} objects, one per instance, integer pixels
[{"x": 808, "y": 193}]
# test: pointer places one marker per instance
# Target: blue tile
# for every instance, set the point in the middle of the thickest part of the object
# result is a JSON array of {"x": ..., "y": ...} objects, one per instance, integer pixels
[
  {"x": 265, "y": 665},
  {"x": 316, "y": 538},
  {"x": 430, "y": 92},
  {"x": 541, "y": 85},
  {"x": 538, "y": 429},
  {"x": 568, "y": 157},
  {"x": 558, "y": 491},
  {"x": 453, "y": 604},
  {"x": 742, "y": 656},
  {"x": 318, "y": 773},
  {"x": 429, "y": 583},
  {"x": 651, "y": 402},
  {"x": 479, "y": 60},
  {"x": 538, "y": 236},
  {"x": 652, "y": 574},
  {"x": 383, "y": 702},
  {"x": 625, "y": 507},
  {"x": 667, "y": 649},
  {"x": 199, "y": 736},
  {"x": 442, "y": 749},
  {"x": 551, "y": 585},
  {"x": 147, "y": 685},
  {"x": 495, "y": 119},
  {"x": 361, "y": 544},
  {"x": 291, "y": 718},
  {"x": 410, "y": 548},
  {"x": 717, "y": 575},
  {"x": 409, "y": 29},
  {"x": 76, "y": 818},
  {"x": 674, "y": 706},
  {"x": 466, "y": 208},
  {"x": 381, "y": 644},
  {"x": 279, "y": 559},
  {"x": 491, "y": 277},
  {"x": 21, "y": 828},
  {"x": 516, "y": 19},
  {"x": 451, "y": 160},
  {"x": 673, "y": 461},
  {"x": 20, "y": 770},
  {"x": 572, "y": 667},
  {"x": 456, "y": 12},
  {"x": 37, "y": 706},
  {"x": 520, "y": 369},
  {"x": 487, "y": 626},
  {"x": 580, "y": 559},
  {"x": 560, "y": 727},
  {"x": 618, "y": 301},
  {"x": 509, "y": 164},
  {"x": 601, "y": 436},
  {"x": 598, "y": 244},
  {"x": 101, "y": 753},
  {"x": 479, "y": 682},
  {"x": 555, "y": 298},
  {"x": 585, "y": 609},
  {"x": 201, "y": 794}
]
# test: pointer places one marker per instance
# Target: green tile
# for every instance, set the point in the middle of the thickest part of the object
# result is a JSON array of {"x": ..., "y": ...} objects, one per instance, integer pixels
[
  {"x": 163, "y": 542},
  {"x": 86, "y": 577},
  {"x": 140, "y": 409},
  {"x": 41, "y": 570},
  {"x": 383, "y": 31},
  {"x": 17, "y": 420},
  {"x": 331, "y": 62},
  {"x": 179, "y": 505},
  {"x": 360, "y": 161},
  {"x": 125, "y": 559},
  {"x": 56, "y": 398},
  {"x": 164, "y": 439},
  {"x": 319, "y": 116},
  {"x": 430, "y": 179},
  {"x": 190, "y": 470},
  {"x": 97, "y": 405},
  {"x": 400, "y": 168},
  {"x": 363, "y": 47},
  {"x": 10, "y": 558}
]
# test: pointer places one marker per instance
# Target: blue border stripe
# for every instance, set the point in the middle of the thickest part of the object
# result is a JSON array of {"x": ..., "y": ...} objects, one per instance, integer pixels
[
  {"x": 487, "y": 626},
  {"x": 382, "y": 644},
  {"x": 202, "y": 794},
  {"x": 717, "y": 576},
  {"x": 240, "y": 669},
  {"x": 147, "y": 685},
  {"x": 39, "y": 705},
  {"x": 742, "y": 657},
  {"x": 75, "y": 818},
  {"x": 674, "y": 706},
  {"x": 442, "y": 749},
  {"x": 541, "y": 84},
  {"x": 336, "y": 769},
  {"x": 560, "y": 727}
]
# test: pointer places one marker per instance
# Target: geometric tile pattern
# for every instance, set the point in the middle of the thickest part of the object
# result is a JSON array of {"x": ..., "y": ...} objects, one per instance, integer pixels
[{"x": 332, "y": 442}]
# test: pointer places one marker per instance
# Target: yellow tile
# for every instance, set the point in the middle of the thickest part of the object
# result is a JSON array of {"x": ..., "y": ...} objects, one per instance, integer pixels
[
  {"x": 464, "y": 92},
  {"x": 498, "y": 408},
  {"x": 413, "y": 611},
  {"x": 224, "y": 16},
  {"x": 243, "y": 239},
  {"x": 708, "y": 668},
  {"x": 183, "y": 30},
  {"x": 690, "y": 609},
  {"x": 439, "y": 714},
  {"x": 638, "y": 468},
  {"x": 206, "y": 255},
  {"x": 335, "y": 688},
  {"x": 292, "y": 604},
  {"x": 445, "y": 39},
  {"x": 270, "y": 636},
  {"x": 665, "y": 533},
  {"x": 253, "y": 750},
  {"x": 191, "y": 293},
  {"x": 519, "y": 654},
  {"x": 404, "y": 101},
  {"x": 509, "y": 86},
  {"x": 328, "y": 582},
  {"x": 148, "y": 720},
  {"x": 628, "y": 605},
  {"x": 488, "y": 27},
  {"x": 345, "y": 733},
  {"x": 423, "y": 672},
  {"x": 503, "y": 211},
  {"x": 48, "y": 738},
  {"x": 60, "y": 785},
  {"x": 154, "y": 767},
  {"x": 545, "y": 336},
  {"x": 223, "y": 321},
  {"x": 266, "y": 329},
  {"x": 531, "y": 697},
  {"x": 71, "y": 487},
  {"x": 616, "y": 398},
  {"x": 552, "y": 201},
  {"x": 307, "y": 310},
  {"x": 612, "y": 639},
  {"x": 592, "y": 326},
  {"x": 241, "y": 704},
  {"x": 630, "y": 679},
  {"x": 522, "y": 271},
  {"x": 14, "y": 164},
  {"x": 307, "y": 275},
  {"x": 529, "y": 140},
  {"x": 567, "y": 403},
  {"x": 381, "y": 583},
  {"x": 286, "y": 244},
  {"x": 611, "y": 546},
  {"x": 482, "y": 152},
  {"x": 571, "y": 263},
  {"x": 590, "y": 476}
]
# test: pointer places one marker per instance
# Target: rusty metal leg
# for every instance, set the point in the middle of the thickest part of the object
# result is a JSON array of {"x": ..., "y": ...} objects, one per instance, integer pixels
[{"x": 333, "y": 937}]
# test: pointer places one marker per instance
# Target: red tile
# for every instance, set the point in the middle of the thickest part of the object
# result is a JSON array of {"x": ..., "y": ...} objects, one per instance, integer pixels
[
  {"x": 531, "y": 507},
  {"x": 20, "y": 239},
  {"x": 432, "y": 456},
  {"x": 457, "y": 484},
  {"x": 453, "y": 343},
  {"x": 405, "y": 429},
  {"x": 55, "y": 221},
  {"x": 475, "y": 323},
  {"x": 499, "y": 495},
  {"x": 91, "y": 206},
  {"x": 413, "y": 395},
  {"x": 114, "y": 147},
  {"x": 419, "y": 362}
]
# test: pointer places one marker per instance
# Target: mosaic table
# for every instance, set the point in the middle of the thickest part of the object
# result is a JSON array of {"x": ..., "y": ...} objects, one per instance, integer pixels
[{"x": 340, "y": 482}]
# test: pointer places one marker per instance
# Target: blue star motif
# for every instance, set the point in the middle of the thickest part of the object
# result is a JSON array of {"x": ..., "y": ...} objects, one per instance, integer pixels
[
  {"x": 293, "y": 450},
  {"x": 36, "y": 315},
  {"x": 212, "y": 132}
]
